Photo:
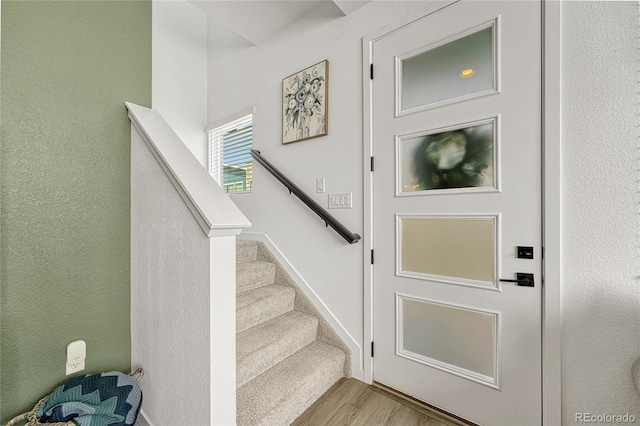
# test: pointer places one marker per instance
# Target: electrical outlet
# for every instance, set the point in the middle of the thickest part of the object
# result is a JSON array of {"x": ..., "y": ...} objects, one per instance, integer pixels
[
  {"x": 74, "y": 368},
  {"x": 76, "y": 354}
]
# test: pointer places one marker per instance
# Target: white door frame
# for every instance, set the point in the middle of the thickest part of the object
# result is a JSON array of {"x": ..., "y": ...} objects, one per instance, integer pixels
[{"x": 551, "y": 200}]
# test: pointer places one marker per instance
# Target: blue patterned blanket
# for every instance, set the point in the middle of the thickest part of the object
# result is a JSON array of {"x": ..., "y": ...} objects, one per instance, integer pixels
[{"x": 106, "y": 399}]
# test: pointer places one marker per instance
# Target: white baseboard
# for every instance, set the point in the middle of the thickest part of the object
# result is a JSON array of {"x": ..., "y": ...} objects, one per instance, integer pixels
[
  {"x": 143, "y": 419},
  {"x": 357, "y": 370}
]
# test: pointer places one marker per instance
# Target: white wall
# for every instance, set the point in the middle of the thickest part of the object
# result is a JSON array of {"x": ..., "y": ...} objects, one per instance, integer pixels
[
  {"x": 169, "y": 296},
  {"x": 601, "y": 299},
  {"x": 253, "y": 76},
  {"x": 179, "y": 75},
  {"x": 601, "y": 256}
]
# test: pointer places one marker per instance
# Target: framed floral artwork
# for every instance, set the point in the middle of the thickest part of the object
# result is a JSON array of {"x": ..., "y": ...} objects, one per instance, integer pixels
[{"x": 305, "y": 103}]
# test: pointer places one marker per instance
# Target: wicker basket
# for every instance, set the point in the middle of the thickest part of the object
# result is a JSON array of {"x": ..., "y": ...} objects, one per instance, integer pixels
[
  {"x": 32, "y": 419},
  {"x": 31, "y": 416}
]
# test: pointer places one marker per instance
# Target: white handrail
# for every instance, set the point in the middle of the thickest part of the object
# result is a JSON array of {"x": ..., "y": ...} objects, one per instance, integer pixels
[{"x": 211, "y": 207}]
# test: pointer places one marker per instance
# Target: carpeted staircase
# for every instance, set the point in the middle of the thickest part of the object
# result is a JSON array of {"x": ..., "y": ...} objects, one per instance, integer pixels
[{"x": 287, "y": 355}]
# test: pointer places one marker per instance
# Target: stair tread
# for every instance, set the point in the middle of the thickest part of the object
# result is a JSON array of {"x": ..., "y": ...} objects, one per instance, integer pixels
[
  {"x": 273, "y": 330},
  {"x": 254, "y": 295},
  {"x": 265, "y": 345},
  {"x": 279, "y": 395},
  {"x": 262, "y": 304},
  {"x": 246, "y": 250},
  {"x": 254, "y": 273}
]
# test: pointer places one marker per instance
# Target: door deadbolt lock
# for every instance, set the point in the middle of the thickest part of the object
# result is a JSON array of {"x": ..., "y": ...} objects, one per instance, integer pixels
[
  {"x": 522, "y": 279},
  {"x": 525, "y": 252}
]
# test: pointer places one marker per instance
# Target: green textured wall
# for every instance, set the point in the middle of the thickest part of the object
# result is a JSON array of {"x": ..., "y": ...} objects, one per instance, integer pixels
[{"x": 67, "y": 69}]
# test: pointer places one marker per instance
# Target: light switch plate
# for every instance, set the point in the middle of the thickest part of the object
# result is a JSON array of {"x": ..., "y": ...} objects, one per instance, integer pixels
[
  {"x": 320, "y": 185},
  {"x": 340, "y": 201}
]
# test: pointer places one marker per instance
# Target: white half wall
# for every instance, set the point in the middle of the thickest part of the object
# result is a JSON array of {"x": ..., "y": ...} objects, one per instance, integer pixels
[
  {"x": 179, "y": 71},
  {"x": 169, "y": 296},
  {"x": 183, "y": 292},
  {"x": 601, "y": 225},
  {"x": 253, "y": 76}
]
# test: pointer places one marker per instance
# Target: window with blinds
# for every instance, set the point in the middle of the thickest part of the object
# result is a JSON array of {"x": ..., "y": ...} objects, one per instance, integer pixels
[{"x": 230, "y": 162}]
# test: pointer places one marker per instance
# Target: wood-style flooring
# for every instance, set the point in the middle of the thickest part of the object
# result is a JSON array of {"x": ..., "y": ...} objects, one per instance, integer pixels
[{"x": 351, "y": 402}]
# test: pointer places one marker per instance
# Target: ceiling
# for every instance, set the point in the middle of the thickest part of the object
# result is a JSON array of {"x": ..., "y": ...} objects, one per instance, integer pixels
[{"x": 255, "y": 21}]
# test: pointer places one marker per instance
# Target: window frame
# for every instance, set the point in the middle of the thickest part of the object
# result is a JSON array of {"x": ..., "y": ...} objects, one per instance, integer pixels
[{"x": 221, "y": 123}]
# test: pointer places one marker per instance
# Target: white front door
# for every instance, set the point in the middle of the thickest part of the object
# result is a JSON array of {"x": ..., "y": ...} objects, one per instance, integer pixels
[{"x": 456, "y": 101}]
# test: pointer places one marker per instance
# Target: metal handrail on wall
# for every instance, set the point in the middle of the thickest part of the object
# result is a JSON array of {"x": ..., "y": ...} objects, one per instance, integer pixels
[{"x": 312, "y": 204}]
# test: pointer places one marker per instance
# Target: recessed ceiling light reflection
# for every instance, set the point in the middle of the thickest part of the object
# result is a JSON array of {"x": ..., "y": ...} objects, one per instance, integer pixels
[{"x": 467, "y": 73}]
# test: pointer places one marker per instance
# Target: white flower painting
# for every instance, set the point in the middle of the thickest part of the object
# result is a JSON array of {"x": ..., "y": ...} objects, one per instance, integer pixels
[{"x": 304, "y": 103}]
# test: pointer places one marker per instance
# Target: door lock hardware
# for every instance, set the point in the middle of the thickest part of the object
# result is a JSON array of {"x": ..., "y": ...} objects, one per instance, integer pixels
[
  {"x": 525, "y": 252},
  {"x": 522, "y": 279}
]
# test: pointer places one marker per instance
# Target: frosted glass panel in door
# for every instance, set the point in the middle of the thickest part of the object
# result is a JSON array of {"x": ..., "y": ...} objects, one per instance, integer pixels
[
  {"x": 449, "y": 71},
  {"x": 451, "y": 248},
  {"x": 455, "y": 339},
  {"x": 460, "y": 158}
]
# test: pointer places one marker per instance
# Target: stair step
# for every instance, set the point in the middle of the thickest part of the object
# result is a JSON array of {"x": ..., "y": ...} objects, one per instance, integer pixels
[
  {"x": 253, "y": 274},
  {"x": 279, "y": 395},
  {"x": 265, "y": 345},
  {"x": 246, "y": 250},
  {"x": 260, "y": 304}
]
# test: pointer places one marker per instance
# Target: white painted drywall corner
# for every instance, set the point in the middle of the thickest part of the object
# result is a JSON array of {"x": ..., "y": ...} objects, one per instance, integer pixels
[
  {"x": 601, "y": 255},
  {"x": 222, "y": 330},
  {"x": 179, "y": 71}
]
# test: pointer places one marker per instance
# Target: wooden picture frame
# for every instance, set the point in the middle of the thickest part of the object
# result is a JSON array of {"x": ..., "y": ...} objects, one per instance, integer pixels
[{"x": 305, "y": 103}]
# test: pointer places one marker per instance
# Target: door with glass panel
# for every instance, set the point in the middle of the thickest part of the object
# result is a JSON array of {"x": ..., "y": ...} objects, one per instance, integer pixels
[{"x": 456, "y": 100}]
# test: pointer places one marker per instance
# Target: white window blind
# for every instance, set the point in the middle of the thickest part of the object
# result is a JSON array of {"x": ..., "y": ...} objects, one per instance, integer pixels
[{"x": 230, "y": 162}]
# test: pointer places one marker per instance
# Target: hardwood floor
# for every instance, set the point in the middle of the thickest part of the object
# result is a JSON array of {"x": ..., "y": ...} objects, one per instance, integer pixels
[{"x": 351, "y": 402}]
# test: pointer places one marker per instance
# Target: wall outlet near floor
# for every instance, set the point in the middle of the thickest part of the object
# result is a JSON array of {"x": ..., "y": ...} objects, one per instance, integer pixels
[
  {"x": 340, "y": 201},
  {"x": 76, "y": 354}
]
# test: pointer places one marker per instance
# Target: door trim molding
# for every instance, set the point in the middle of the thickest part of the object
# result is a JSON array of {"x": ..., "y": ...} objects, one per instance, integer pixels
[
  {"x": 552, "y": 213},
  {"x": 551, "y": 198}
]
